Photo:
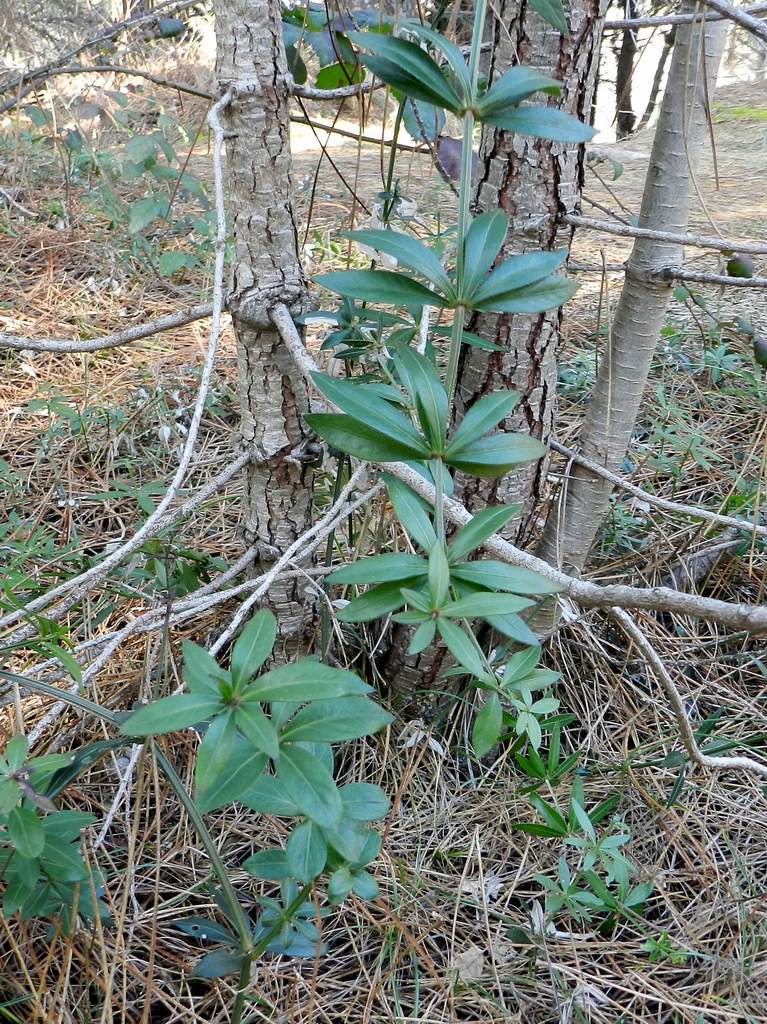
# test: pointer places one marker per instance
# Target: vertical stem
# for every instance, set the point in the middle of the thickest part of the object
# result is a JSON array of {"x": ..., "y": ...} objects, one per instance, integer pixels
[
  {"x": 438, "y": 472},
  {"x": 464, "y": 194}
]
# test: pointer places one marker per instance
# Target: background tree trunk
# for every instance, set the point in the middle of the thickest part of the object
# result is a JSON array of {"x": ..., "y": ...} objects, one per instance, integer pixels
[
  {"x": 265, "y": 269},
  {"x": 534, "y": 181},
  {"x": 625, "y": 117},
  {"x": 612, "y": 413}
]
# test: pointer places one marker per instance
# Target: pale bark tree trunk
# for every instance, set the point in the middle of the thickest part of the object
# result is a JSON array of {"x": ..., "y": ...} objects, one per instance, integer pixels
[
  {"x": 624, "y": 74},
  {"x": 612, "y": 413},
  {"x": 265, "y": 269},
  {"x": 535, "y": 182}
]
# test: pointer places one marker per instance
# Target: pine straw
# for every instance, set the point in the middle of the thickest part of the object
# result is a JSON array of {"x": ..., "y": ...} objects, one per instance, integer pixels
[{"x": 455, "y": 873}]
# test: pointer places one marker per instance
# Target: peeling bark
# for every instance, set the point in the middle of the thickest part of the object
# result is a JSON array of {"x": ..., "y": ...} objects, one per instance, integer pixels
[
  {"x": 265, "y": 269},
  {"x": 612, "y": 413}
]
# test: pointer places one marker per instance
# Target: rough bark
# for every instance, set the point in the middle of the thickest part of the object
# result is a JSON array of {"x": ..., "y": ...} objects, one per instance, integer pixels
[
  {"x": 612, "y": 413},
  {"x": 535, "y": 182},
  {"x": 265, "y": 269},
  {"x": 624, "y": 107}
]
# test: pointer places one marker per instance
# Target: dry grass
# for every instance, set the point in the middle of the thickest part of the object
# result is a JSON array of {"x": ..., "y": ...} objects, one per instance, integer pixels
[{"x": 455, "y": 873}]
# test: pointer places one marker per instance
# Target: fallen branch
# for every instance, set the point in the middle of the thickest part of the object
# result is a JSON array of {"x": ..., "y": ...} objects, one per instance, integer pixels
[
  {"x": 694, "y": 511},
  {"x": 697, "y": 241},
  {"x": 675, "y": 19},
  {"x": 582, "y": 592},
  {"x": 740, "y": 17},
  {"x": 701, "y": 277},
  {"x": 145, "y": 330},
  {"x": 652, "y": 658},
  {"x": 370, "y": 140}
]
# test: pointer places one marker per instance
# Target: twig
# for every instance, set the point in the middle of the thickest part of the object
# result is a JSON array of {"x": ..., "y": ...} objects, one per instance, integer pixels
[
  {"x": 349, "y": 134},
  {"x": 6, "y": 195},
  {"x": 130, "y": 334},
  {"x": 309, "y": 92},
  {"x": 653, "y": 499},
  {"x": 748, "y": 764},
  {"x": 121, "y": 69},
  {"x": 583, "y": 592},
  {"x": 700, "y": 277},
  {"x": 698, "y": 241},
  {"x": 740, "y": 17},
  {"x": 675, "y": 19}
]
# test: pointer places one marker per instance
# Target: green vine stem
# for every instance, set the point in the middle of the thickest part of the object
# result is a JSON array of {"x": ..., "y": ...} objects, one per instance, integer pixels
[{"x": 464, "y": 200}]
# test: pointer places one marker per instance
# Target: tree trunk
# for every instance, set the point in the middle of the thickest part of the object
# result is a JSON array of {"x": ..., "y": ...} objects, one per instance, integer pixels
[
  {"x": 624, "y": 107},
  {"x": 535, "y": 182},
  {"x": 265, "y": 269},
  {"x": 660, "y": 70},
  {"x": 612, "y": 413}
]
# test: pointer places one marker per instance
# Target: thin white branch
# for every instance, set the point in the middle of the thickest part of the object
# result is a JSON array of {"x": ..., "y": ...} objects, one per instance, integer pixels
[
  {"x": 740, "y": 17},
  {"x": 700, "y": 277},
  {"x": 6, "y": 195},
  {"x": 653, "y": 659},
  {"x": 144, "y": 330},
  {"x": 653, "y": 499},
  {"x": 80, "y": 585},
  {"x": 697, "y": 241},
  {"x": 583, "y": 592},
  {"x": 675, "y": 19},
  {"x": 309, "y": 92}
]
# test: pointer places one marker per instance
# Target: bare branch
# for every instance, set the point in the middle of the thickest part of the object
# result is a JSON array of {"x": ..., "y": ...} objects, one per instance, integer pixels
[
  {"x": 697, "y": 241},
  {"x": 700, "y": 277},
  {"x": 675, "y": 19},
  {"x": 121, "y": 69},
  {"x": 64, "y": 345},
  {"x": 652, "y": 658},
  {"x": 370, "y": 140},
  {"x": 740, "y": 17},
  {"x": 309, "y": 92},
  {"x": 653, "y": 499},
  {"x": 583, "y": 592}
]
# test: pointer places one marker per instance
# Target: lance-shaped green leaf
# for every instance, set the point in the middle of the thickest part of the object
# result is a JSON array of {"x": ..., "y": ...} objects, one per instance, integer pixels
[
  {"x": 218, "y": 964},
  {"x": 202, "y": 673},
  {"x": 26, "y": 832},
  {"x": 499, "y": 576},
  {"x": 439, "y": 574},
  {"x": 268, "y": 795},
  {"x": 483, "y": 604},
  {"x": 349, "y": 718},
  {"x": 533, "y": 298},
  {"x": 376, "y": 602},
  {"x": 496, "y": 455},
  {"x": 426, "y": 390},
  {"x": 462, "y": 647},
  {"x": 423, "y": 121},
  {"x": 542, "y": 122},
  {"x": 483, "y": 416},
  {"x": 257, "y": 729},
  {"x": 215, "y": 752},
  {"x": 363, "y": 440},
  {"x": 553, "y": 12},
  {"x": 512, "y": 87},
  {"x": 449, "y": 51},
  {"x": 408, "y": 252},
  {"x": 253, "y": 646},
  {"x": 380, "y": 569},
  {"x": 515, "y": 273},
  {"x": 369, "y": 408},
  {"x": 306, "y": 852},
  {"x": 310, "y": 785},
  {"x": 364, "y": 802},
  {"x": 244, "y": 765},
  {"x": 384, "y": 286},
  {"x": 305, "y": 680},
  {"x": 484, "y": 524},
  {"x": 412, "y": 512},
  {"x": 484, "y": 240},
  {"x": 406, "y": 67},
  {"x": 487, "y": 726},
  {"x": 271, "y": 863},
  {"x": 422, "y": 637},
  {"x": 513, "y": 627},
  {"x": 172, "y": 713}
]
